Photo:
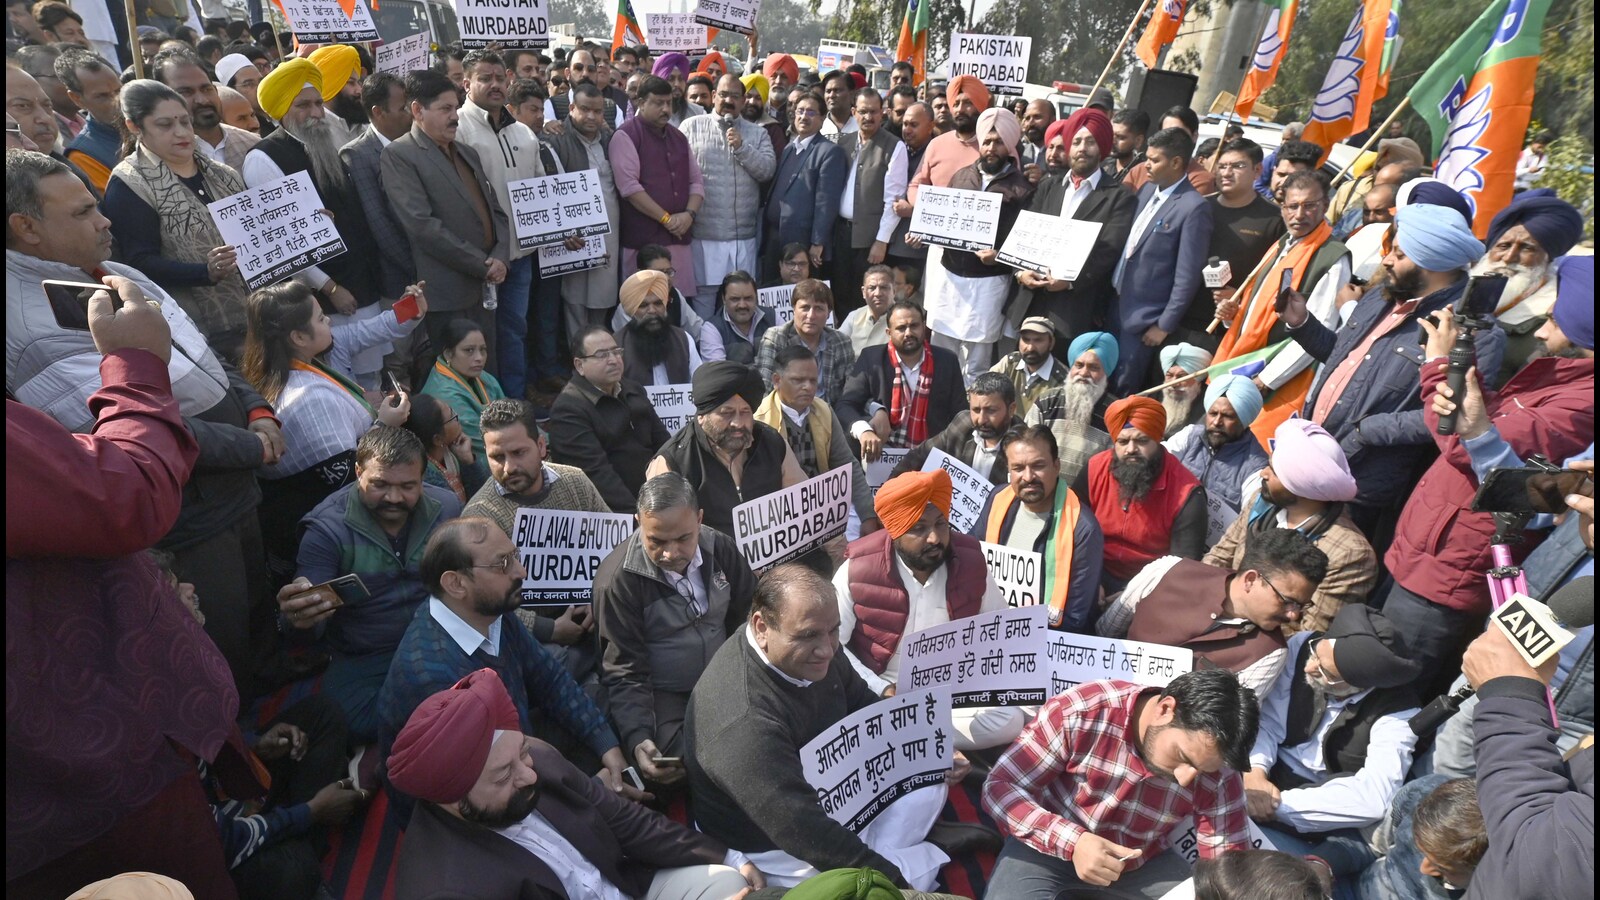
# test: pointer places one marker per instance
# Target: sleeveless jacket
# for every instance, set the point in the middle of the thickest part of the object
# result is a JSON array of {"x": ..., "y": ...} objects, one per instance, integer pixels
[
  {"x": 1344, "y": 747},
  {"x": 664, "y": 162},
  {"x": 882, "y": 603},
  {"x": 689, "y": 454},
  {"x": 1182, "y": 612},
  {"x": 356, "y": 269},
  {"x": 1137, "y": 533}
]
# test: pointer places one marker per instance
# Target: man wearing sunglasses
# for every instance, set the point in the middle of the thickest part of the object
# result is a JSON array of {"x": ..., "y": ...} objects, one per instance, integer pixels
[
  {"x": 1231, "y": 618},
  {"x": 1334, "y": 744}
]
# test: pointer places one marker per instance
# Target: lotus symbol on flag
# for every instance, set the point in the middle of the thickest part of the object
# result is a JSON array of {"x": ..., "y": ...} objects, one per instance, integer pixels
[
  {"x": 1337, "y": 99},
  {"x": 1271, "y": 41},
  {"x": 1172, "y": 8},
  {"x": 1463, "y": 150}
]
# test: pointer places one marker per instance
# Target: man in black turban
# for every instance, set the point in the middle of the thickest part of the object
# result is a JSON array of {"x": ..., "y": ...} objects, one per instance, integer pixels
[
  {"x": 727, "y": 455},
  {"x": 1525, "y": 241}
]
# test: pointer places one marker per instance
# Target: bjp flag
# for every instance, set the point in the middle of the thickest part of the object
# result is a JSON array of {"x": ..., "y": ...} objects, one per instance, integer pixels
[
  {"x": 1162, "y": 29},
  {"x": 627, "y": 30},
  {"x": 1391, "y": 50},
  {"x": 913, "y": 46},
  {"x": 1344, "y": 104},
  {"x": 1270, "y": 49},
  {"x": 1477, "y": 100}
]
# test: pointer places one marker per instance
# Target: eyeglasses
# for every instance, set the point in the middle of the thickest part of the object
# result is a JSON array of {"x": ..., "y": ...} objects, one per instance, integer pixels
[
  {"x": 806, "y": 113},
  {"x": 1290, "y": 605},
  {"x": 454, "y": 417},
  {"x": 1321, "y": 672},
  {"x": 503, "y": 563},
  {"x": 612, "y": 353},
  {"x": 795, "y": 263},
  {"x": 1232, "y": 166}
]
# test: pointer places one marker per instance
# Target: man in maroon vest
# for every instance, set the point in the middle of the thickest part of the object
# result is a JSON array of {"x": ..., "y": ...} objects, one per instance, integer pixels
[
  {"x": 659, "y": 182},
  {"x": 1148, "y": 504},
  {"x": 915, "y": 574},
  {"x": 1231, "y": 619}
]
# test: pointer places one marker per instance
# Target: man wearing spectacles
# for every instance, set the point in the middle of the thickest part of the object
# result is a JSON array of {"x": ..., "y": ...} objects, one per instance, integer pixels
[
  {"x": 804, "y": 198},
  {"x": 1244, "y": 225},
  {"x": 474, "y": 575},
  {"x": 1334, "y": 744},
  {"x": 1231, "y": 618}
]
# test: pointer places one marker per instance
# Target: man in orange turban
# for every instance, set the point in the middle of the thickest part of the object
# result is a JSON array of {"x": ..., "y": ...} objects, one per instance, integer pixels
[
  {"x": 913, "y": 574},
  {"x": 484, "y": 783},
  {"x": 1149, "y": 505},
  {"x": 783, "y": 73},
  {"x": 970, "y": 87}
]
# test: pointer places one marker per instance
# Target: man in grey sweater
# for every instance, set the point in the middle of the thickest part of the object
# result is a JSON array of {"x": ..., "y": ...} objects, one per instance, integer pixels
[{"x": 736, "y": 159}]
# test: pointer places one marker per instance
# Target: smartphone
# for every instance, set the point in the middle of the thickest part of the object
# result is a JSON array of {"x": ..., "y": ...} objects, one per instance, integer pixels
[
  {"x": 1285, "y": 288},
  {"x": 667, "y": 760},
  {"x": 69, "y": 300},
  {"x": 1530, "y": 489},
  {"x": 633, "y": 776},
  {"x": 406, "y": 309},
  {"x": 339, "y": 591},
  {"x": 386, "y": 379},
  {"x": 1482, "y": 296}
]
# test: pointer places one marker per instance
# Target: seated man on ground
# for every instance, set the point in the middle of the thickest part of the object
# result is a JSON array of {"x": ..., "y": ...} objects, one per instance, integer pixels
[
  {"x": 974, "y": 437},
  {"x": 1221, "y": 450},
  {"x": 1075, "y": 412},
  {"x": 504, "y": 815},
  {"x": 1183, "y": 401}
]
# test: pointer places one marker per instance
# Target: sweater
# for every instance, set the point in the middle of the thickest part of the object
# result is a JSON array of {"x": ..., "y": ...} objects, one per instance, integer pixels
[
  {"x": 732, "y": 178},
  {"x": 567, "y": 488},
  {"x": 508, "y": 153},
  {"x": 744, "y": 730}
]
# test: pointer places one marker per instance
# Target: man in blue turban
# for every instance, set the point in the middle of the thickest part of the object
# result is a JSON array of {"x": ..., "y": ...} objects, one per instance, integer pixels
[
  {"x": 1435, "y": 238},
  {"x": 1525, "y": 241},
  {"x": 1182, "y": 401},
  {"x": 1075, "y": 411},
  {"x": 1221, "y": 450}
]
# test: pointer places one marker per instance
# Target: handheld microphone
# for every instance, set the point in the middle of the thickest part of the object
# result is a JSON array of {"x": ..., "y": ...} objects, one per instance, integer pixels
[{"x": 1524, "y": 622}]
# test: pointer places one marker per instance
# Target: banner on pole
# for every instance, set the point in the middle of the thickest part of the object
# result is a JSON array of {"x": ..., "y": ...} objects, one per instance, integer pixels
[
  {"x": 513, "y": 24},
  {"x": 1000, "y": 61}
]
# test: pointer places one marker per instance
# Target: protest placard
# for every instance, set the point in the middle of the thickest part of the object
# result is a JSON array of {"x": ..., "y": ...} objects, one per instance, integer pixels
[
  {"x": 1049, "y": 245},
  {"x": 879, "y": 471},
  {"x": 406, "y": 55},
  {"x": 673, "y": 404},
  {"x": 551, "y": 208},
  {"x": 728, "y": 15},
  {"x": 1019, "y": 573},
  {"x": 952, "y": 217},
  {"x": 509, "y": 23},
  {"x": 990, "y": 659},
  {"x": 792, "y": 522},
  {"x": 1186, "y": 843},
  {"x": 556, "y": 259},
  {"x": 1000, "y": 61},
  {"x": 971, "y": 489},
  {"x": 1076, "y": 658},
  {"x": 325, "y": 22},
  {"x": 883, "y": 751},
  {"x": 779, "y": 302},
  {"x": 562, "y": 550},
  {"x": 277, "y": 228},
  {"x": 679, "y": 32}
]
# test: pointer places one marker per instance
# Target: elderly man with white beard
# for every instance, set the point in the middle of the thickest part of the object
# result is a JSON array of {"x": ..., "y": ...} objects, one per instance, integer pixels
[
  {"x": 1182, "y": 401},
  {"x": 1525, "y": 240},
  {"x": 1075, "y": 412},
  {"x": 304, "y": 142}
]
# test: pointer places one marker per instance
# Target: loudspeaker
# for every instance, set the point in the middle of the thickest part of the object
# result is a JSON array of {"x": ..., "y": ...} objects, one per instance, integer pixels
[{"x": 1161, "y": 90}]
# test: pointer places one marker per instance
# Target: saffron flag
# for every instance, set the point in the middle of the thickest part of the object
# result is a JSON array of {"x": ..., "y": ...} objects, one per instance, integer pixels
[
  {"x": 1391, "y": 50},
  {"x": 1162, "y": 29},
  {"x": 913, "y": 47},
  {"x": 1344, "y": 104},
  {"x": 1270, "y": 49},
  {"x": 1477, "y": 100},
  {"x": 627, "y": 30}
]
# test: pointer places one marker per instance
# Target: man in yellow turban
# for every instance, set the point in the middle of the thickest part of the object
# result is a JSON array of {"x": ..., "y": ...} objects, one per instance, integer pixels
[
  {"x": 913, "y": 574},
  {"x": 340, "y": 65},
  {"x": 285, "y": 84},
  {"x": 757, "y": 85},
  {"x": 654, "y": 351}
]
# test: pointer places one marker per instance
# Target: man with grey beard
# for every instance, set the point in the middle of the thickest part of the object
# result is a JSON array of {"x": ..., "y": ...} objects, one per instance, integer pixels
[
  {"x": 305, "y": 143},
  {"x": 1075, "y": 412},
  {"x": 1525, "y": 240},
  {"x": 1182, "y": 401}
]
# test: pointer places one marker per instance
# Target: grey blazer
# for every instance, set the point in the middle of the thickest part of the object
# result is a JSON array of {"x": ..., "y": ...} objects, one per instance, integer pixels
[{"x": 433, "y": 207}]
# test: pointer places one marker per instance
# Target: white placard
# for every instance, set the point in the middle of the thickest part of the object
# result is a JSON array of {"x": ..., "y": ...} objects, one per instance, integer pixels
[
  {"x": 971, "y": 489},
  {"x": 990, "y": 659},
  {"x": 674, "y": 32},
  {"x": 953, "y": 217},
  {"x": 878, "y": 754},
  {"x": 513, "y": 24},
  {"x": 1219, "y": 515},
  {"x": 792, "y": 522},
  {"x": 1075, "y": 658},
  {"x": 673, "y": 404},
  {"x": 1019, "y": 573},
  {"x": 277, "y": 228},
  {"x": 728, "y": 15},
  {"x": 556, "y": 259},
  {"x": 551, "y": 208},
  {"x": 878, "y": 472},
  {"x": 562, "y": 550},
  {"x": 1000, "y": 61},
  {"x": 405, "y": 55},
  {"x": 325, "y": 22},
  {"x": 1186, "y": 843},
  {"x": 1049, "y": 245},
  {"x": 779, "y": 300}
]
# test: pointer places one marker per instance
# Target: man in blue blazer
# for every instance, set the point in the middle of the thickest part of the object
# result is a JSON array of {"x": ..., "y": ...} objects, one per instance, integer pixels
[
  {"x": 1159, "y": 273},
  {"x": 804, "y": 200}
]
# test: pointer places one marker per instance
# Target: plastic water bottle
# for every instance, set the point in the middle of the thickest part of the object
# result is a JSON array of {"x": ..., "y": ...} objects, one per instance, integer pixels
[{"x": 491, "y": 296}]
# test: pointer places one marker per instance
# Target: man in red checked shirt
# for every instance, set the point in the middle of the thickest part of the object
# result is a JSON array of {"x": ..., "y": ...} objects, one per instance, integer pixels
[{"x": 1091, "y": 791}]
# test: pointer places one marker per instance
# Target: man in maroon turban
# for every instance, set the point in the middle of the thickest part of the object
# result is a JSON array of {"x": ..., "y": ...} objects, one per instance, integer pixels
[
  {"x": 503, "y": 815},
  {"x": 1148, "y": 504}
]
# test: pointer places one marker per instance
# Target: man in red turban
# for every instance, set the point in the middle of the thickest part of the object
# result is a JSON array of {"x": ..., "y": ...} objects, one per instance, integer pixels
[
  {"x": 504, "y": 815},
  {"x": 1148, "y": 504}
]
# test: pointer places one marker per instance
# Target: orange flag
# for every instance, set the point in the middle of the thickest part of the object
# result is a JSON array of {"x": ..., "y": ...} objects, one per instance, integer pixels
[
  {"x": 1270, "y": 49},
  {"x": 1162, "y": 29},
  {"x": 1344, "y": 104}
]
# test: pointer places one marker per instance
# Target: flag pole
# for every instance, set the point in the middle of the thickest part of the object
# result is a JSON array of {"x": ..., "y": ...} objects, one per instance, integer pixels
[
  {"x": 1373, "y": 138},
  {"x": 1121, "y": 45},
  {"x": 1271, "y": 254},
  {"x": 133, "y": 38}
]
